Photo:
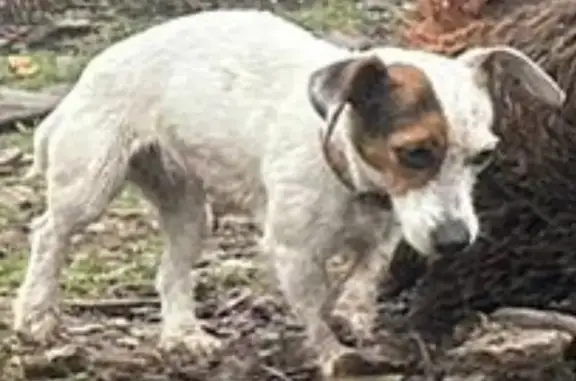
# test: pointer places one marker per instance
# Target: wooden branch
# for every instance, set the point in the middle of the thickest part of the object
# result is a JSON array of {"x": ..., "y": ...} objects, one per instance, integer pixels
[
  {"x": 531, "y": 318},
  {"x": 19, "y": 105},
  {"x": 35, "y": 34},
  {"x": 112, "y": 304}
]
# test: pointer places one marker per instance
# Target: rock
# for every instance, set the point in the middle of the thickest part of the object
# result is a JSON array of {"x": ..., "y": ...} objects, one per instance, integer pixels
[
  {"x": 129, "y": 342},
  {"x": 97, "y": 227},
  {"x": 502, "y": 350},
  {"x": 357, "y": 42}
]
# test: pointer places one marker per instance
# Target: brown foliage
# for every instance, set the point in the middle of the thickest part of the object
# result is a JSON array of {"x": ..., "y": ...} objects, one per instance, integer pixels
[
  {"x": 444, "y": 26},
  {"x": 448, "y": 26}
]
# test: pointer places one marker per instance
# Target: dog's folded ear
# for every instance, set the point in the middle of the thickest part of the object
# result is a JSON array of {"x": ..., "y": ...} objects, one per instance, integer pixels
[
  {"x": 516, "y": 65},
  {"x": 361, "y": 82}
]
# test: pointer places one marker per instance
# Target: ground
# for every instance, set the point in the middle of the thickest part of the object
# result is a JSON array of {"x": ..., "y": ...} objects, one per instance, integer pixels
[{"x": 111, "y": 307}]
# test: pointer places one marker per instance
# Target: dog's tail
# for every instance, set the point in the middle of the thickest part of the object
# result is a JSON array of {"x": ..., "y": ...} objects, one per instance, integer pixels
[{"x": 42, "y": 135}]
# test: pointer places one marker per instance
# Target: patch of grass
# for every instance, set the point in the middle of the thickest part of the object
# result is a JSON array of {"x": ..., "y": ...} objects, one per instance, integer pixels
[
  {"x": 343, "y": 15},
  {"x": 21, "y": 139},
  {"x": 232, "y": 274},
  {"x": 92, "y": 268},
  {"x": 51, "y": 69},
  {"x": 56, "y": 67},
  {"x": 125, "y": 252},
  {"x": 12, "y": 271},
  {"x": 95, "y": 269}
]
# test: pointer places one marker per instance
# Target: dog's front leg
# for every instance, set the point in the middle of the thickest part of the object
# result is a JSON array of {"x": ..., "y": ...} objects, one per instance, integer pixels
[
  {"x": 357, "y": 303},
  {"x": 303, "y": 282},
  {"x": 299, "y": 243}
]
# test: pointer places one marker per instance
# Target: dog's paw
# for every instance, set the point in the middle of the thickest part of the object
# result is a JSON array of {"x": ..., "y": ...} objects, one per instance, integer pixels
[
  {"x": 37, "y": 326},
  {"x": 342, "y": 362},
  {"x": 328, "y": 357},
  {"x": 355, "y": 320},
  {"x": 195, "y": 340}
]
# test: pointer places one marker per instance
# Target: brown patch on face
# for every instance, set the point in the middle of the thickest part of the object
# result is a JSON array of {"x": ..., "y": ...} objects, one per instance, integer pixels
[{"x": 404, "y": 136}]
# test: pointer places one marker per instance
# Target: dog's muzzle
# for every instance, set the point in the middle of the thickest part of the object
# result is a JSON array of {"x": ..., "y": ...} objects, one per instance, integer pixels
[{"x": 451, "y": 237}]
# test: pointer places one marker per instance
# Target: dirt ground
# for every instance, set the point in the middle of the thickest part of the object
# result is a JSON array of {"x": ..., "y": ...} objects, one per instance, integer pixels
[{"x": 111, "y": 308}]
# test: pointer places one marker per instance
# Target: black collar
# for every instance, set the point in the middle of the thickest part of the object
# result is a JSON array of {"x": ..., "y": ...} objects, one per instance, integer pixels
[{"x": 338, "y": 164}]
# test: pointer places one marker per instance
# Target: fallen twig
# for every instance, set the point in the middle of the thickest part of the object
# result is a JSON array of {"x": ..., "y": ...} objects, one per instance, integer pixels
[
  {"x": 276, "y": 373},
  {"x": 234, "y": 303},
  {"x": 41, "y": 32},
  {"x": 34, "y": 34},
  {"x": 18, "y": 105},
  {"x": 106, "y": 304},
  {"x": 532, "y": 318},
  {"x": 426, "y": 359}
]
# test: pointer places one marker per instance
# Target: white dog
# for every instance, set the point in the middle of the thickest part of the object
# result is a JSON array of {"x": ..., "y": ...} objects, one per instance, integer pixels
[{"x": 252, "y": 109}]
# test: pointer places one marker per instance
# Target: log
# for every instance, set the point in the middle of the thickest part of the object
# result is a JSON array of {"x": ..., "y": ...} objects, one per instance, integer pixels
[
  {"x": 22, "y": 105},
  {"x": 16, "y": 33}
]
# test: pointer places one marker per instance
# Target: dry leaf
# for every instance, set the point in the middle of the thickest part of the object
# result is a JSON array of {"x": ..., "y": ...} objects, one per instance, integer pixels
[{"x": 22, "y": 66}]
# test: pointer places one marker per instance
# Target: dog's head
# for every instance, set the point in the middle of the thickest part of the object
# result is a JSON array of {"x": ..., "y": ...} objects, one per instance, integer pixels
[{"x": 418, "y": 126}]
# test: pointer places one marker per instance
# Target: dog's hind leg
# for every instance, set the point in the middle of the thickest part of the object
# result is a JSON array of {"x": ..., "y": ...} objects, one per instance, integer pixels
[
  {"x": 85, "y": 172},
  {"x": 179, "y": 198},
  {"x": 42, "y": 135}
]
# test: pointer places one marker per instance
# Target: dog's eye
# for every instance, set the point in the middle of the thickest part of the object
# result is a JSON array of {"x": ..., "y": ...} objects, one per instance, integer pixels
[
  {"x": 416, "y": 158},
  {"x": 482, "y": 158}
]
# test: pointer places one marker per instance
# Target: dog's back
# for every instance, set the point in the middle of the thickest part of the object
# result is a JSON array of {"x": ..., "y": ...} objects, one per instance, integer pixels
[
  {"x": 224, "y": 88},
  {"x": 223, "y": 68}
]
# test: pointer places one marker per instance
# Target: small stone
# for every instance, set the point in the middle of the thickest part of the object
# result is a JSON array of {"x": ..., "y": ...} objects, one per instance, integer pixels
[
  {"x": 348, "y": 41},
  {"x": 76, "y": 238},
  {"x": 65, "y": 351},
  {"x": 119, "y": 323},
  {"x": 27, "y": 158},
  {"x": 96, "y": 227},
  {"x": 140, "y": 333},
  {"x": 377, "y": 5},
  {"x": 355, "y": 365},
  {"x": 130, "y": 342},
  {"x": 86, "y": 329}
]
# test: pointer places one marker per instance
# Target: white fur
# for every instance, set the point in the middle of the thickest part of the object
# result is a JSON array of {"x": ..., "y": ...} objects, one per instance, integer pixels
[{"x": 224, "y": 95}]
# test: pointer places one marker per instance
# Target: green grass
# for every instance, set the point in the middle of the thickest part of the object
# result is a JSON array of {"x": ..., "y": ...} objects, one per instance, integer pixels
[
  {"x": 95, "y": 270},
  {"x": 52, "y": 69},
  {"x": 342, "y": 15}
]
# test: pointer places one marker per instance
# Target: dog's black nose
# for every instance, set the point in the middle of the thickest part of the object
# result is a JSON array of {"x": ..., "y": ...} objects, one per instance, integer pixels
[{"x": 451, "y": 237}]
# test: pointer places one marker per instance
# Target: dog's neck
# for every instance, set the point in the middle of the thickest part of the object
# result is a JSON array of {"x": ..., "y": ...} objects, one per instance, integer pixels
[{"x": 340, "y": 164}]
